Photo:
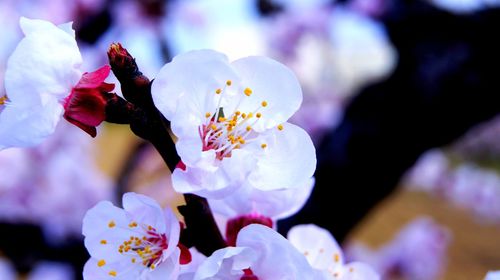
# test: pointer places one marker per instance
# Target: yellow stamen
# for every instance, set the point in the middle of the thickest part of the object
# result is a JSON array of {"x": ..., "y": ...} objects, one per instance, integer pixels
[
  {"x": 3, "y": 99},
  {"x": 248, "y": 91},
  {"x": 213, "y": 126},
  {"x": 218, "y": 91},
  {"x": 133, "y": 260},
  {"x": 104, "y": 242},
  {"x": 207, "y": 115},
  {"x": 280, "y": 127},
  {"x": 112, "y": 273},
  {"x": 258, "y": 115},
  {"x": 249, "y": 128},
  {"x": 336, "y": 257},
  {"x": 132, "y": 224},
  {"x": 229, "y": 82},
  {"x": 263, "y": 146},
  {"x": 111, "y": 224},
  {"x": 264, "y": 103},
  {"x": 101, "y": 263}
]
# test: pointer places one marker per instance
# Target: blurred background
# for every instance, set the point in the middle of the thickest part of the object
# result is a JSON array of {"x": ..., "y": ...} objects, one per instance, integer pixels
[{"x": 400, "y": 97}]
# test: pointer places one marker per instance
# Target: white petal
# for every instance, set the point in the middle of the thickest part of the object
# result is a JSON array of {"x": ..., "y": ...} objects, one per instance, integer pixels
[
  {"x": 167, "y": 270},
  {"x": 191, "y": 78},
  {"x": 144, "y": 210},
  {"x": 288, "y": 161},
  {"x": 24, "y": 126},
  {"x": 272, "y": 82},
  {"x": 173, "y": 232},
  {"x": 277, "y": 258},
  {"x": 226, "y": 264},
  {"x": 318, "y": 245},
  {"x": 358, "y": 271},
  {"x": 45, "y": 63},
  {"x": 124, "y": 271},
  {"x": 277, "y": 204}
]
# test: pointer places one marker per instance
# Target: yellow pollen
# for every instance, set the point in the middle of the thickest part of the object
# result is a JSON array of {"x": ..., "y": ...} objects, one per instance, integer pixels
[
  {"x": 263, "y": 146},
  {"x": 218, "y": 91},
  {"x": 150, "y": 228},
  {"x": 221, "y": 119},
  {"x": 280, "y": 127},
  {"x": 264, "y": 103},
  {"x": 111, "y": 224},
  {"x": 213, "y": 126},
  {"x": 229, "y": 82},
  {"x": 104, "y": 242},
  {"x": 132, "y": 224},
  {"x": 101, "y": 263},
  {"x": 153, "y": 266},
  {"x": 243, "y": 115},
  {"x": 248, "y": 91},
  {"x": 133, "y": 260},
  {"x": 258, "y": 115},
  {"x": 207, "y": 115},
  {"x": 242, "y": 141},
  {"x": 237, "y": 146},
  {"x": 112, "y": 273},
  {"x": 3, "y": 99},
  {"x": 336, "y": 257},
  {"x": 351, "y": 269},
  {"x": 250, "y": 115},
  {"x": 249, "y": 128},
  {"x": 237, "y": 113}
]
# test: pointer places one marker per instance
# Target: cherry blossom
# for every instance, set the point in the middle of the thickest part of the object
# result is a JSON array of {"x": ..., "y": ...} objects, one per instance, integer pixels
[
  {"x": 43, "y": 81},
  {"x": 260, "y": 253},
  {"x": 140, "y": 241},
  {"x": 230, "y": 123},
  {"x": 323, "y": 253}
]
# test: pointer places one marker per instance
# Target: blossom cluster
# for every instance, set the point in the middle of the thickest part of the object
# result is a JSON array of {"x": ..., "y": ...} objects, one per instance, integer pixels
[{"x": 235, "y": 145}]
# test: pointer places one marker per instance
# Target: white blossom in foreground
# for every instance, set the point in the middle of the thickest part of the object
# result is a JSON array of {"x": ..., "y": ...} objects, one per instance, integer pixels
[
  {"x": 492, "y": 275},
  {"x": 324, "y": 253},
  {"x": 43, "y": 81},
  {"x": 230, "y": 122},
  {"x": 140, "y": 241},
  {"x": 260, "y": 253}
]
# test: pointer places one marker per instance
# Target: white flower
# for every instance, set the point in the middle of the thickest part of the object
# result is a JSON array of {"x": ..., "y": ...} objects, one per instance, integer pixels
[
  {"x": 260, "y": 253},
  {"x": 43, "y": 80},
  {"x": 323, "y": 253},
  {"x": 140, "y": 241},
  {"x": 230, "y": 121},
  {"x": 492, "y": 275}
]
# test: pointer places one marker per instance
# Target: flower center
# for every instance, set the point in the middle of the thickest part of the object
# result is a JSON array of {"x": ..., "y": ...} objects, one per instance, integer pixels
[
  {"x": 146, "y": 248},
  {"x": 225, "y": 133},
  {"x": 3, "y": 99}
]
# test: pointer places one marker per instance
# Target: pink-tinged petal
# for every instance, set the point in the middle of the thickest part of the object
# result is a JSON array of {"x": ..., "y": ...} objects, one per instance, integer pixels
[
  {"x": 234, "y": 225},
  {"x": 277, "y": 204},
  {"x": 289, "y": 160},
  {"x": 277, "y": 258},
  {"x": 85, "y": 107},
  {"x": 318, "y": 245},
  {"x": 167, "y": 270},
  {"x": 44, "y": 64},
  {"x": 272, "y": 82},
  {"x": 25, "y": 126}
]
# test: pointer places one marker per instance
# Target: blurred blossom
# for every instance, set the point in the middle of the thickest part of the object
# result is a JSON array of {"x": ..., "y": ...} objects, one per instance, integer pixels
[
  {"x": 51, "y": 271},
  {"x": 7, "y": 271},
  {"x": 227, "y": 26},
  {"x": 465, "y": 6},
  {"x": 417, "y": 252},
  {"x": 334, "y": 51},
  {"x": 466, "y": 184},
  {"x": 60, "y": 175}
]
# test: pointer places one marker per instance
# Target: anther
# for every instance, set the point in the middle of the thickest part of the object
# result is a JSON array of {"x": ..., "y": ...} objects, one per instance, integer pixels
[
  {"x": 280, "y": 127},
  {"x": 218, "y": 91},
  {"x": 258, "y": 115},
  {"x": 248, "y": 91},
  {"x": 263, "y": 146},
  {"x": 112, "y": 273},
  {"x": 264, "y": 103},
  {"x": 101, "y": 263},
  {"x": 229, "y": 82},
  {"x": 111, "y": 224}
]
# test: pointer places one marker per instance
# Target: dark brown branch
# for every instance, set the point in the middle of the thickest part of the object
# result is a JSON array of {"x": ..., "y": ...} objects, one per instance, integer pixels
[{"x": 148, "y": 123}]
